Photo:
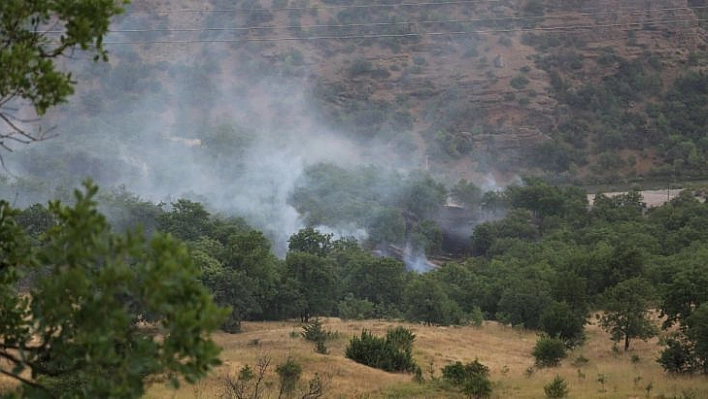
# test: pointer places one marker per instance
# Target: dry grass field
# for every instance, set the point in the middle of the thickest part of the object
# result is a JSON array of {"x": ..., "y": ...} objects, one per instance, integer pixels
[{"x": 504, "y": 350}]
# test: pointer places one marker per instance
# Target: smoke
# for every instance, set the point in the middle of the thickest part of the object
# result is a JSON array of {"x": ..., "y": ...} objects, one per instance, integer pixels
[
  {"x": 416, "y": 260},
  {"x": 211, "y": 130},
  {"x": 212, "y": 122}
]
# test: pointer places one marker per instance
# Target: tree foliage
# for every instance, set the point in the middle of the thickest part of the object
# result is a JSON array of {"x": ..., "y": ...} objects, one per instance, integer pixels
[
  {"x": 394, "y": 352},
  {"x": 29, "y": 49},
  {"x": 548, "y": 351},
  {"x": 79, "y": 320},
  {"x": 471, "y": 378},
  {"x": 626, "y": 311}
]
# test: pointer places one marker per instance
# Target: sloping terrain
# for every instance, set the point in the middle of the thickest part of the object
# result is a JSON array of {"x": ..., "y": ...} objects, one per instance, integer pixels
[
  {"x": 229, "y": 101},
  {"x": 462, "y": 88},
  {"x": 506, "y": 351}
]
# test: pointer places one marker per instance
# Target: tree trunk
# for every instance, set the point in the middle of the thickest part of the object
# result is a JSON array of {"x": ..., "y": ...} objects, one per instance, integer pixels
[{"x": 626, "y": 342}]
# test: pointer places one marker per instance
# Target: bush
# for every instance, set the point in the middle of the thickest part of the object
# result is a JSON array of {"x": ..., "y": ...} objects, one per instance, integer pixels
[
  {"x": 548, "y": 351},
  {"x": 360, "y": 66},
  {"x": 289, "y": 374},
  {"x": 392, "y": 353},
  {"x": 677, "y": 357},
  {"x": 457, "y": 372},
  {"x": 557, "y": 388},
  {"x": 519, "y": 82},
  {"x": 472, "y": 378},
  {"x": 314, "y": 332},
  {"x": 477, "y": 387}
]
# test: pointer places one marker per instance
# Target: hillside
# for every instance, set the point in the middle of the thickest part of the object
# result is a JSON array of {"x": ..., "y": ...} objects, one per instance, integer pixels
[
  {"x": 230, "y": 102},
  {"x": 572, "y": 90}
]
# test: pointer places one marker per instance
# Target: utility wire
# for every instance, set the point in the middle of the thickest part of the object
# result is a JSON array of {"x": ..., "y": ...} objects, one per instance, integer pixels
[
  {"x": 372, "y": 24},
  {"x": 359, "y": 6},
  {"x": 333, "y": 7},
  {"x": 415, "y": 34}
]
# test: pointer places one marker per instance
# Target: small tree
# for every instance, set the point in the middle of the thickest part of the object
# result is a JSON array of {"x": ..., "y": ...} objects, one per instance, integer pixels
[
  {"x": 556, "y": 389},
  {"x": 314, "y": 332},
  {"x": 559, "y": 321},
  {"x": 472, "y": 378},
  {"x": 74, "y": 333},
  {"x": 677, "y": 357},
  {"x": 247, "y": 384},
  {"x": 548, "y": 351},
  {"x": 626, "y": 311},
  {"x": 289, "y": 374},
  {"x": 477, "y": 387}
]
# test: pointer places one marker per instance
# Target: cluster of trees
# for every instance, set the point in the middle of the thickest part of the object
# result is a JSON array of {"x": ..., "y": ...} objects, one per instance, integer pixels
[
  {"x": 73, "y": 297},
  {"x": 392, "y": 207},
  {"x": 549, "y": 262},
  {"x": 546, "y": 265}
]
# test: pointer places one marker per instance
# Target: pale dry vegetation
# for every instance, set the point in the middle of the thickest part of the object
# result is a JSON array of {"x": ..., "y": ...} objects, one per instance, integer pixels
[{"x": 506, "y": 351}]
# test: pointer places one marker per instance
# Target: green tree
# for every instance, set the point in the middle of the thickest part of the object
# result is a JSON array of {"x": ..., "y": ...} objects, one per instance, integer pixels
[
  {"x": 685, "y": 282},
  {"x": 626, "y": 308},
  {"x": 74, "y": 333},
  {"x": 697, "y": 334},
  {"x": 422, "y": 196},
  {"x": 379, "y": 280},
  {"x": 523, "y": 303},
  {"x": 310, "y": 241},
  {"x": 467, "y": 194},
  {"x": 316, "y": 282},
  {"x": 29, "y": 48},
  {"x": 187, "y": 220},
  {"x": 428, "y": 302},
  {"x": 558, "y": 320},
  {"x": 548, "y": 351}
]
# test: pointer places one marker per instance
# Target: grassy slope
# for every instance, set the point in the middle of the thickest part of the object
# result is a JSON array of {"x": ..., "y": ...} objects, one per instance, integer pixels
[{"x": 505, "y": 350}]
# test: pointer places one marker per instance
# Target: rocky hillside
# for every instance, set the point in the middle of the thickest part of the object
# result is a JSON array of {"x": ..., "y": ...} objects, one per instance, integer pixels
[{"x": 572, "y": 90}]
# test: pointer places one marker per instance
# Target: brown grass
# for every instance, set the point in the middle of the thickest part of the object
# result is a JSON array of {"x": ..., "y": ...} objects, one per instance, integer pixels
[{"x": 504, "y": 350}]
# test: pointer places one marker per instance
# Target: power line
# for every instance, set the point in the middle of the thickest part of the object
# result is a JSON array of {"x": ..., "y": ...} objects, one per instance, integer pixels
[
  {"x": 416, "y": 34},
  {"x": 355, "y": 6},
  {"x": 372, "y": 24},
  {"x": 333, "y": 7}
]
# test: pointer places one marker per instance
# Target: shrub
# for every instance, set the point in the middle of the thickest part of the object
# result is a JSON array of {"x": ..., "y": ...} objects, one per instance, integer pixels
[
  {"x": 580, "y": 361},
  {"x": 360, "y": 66},
  {"x": 477, "y": 387},
  {"x": 519, "y": 82},
  {"x": 557, "y": 388},
  {"x": 548, "y": 351},
  {"x": 289, "y": 375},
  {"x": 457, "y": 372},
  {"x": 314, "y": 332},
  {"x": 472, "y": 378},
  {"x": 677, "y": 357},
  {"x": 392, "y": 353},
  {"x": 476, "y": 316}
]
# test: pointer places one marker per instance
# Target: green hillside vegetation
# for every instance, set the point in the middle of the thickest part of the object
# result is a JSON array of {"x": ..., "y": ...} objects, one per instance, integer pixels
[
  {"x": 624, "y": 106},
  {"x": 546, "y": 266}
]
